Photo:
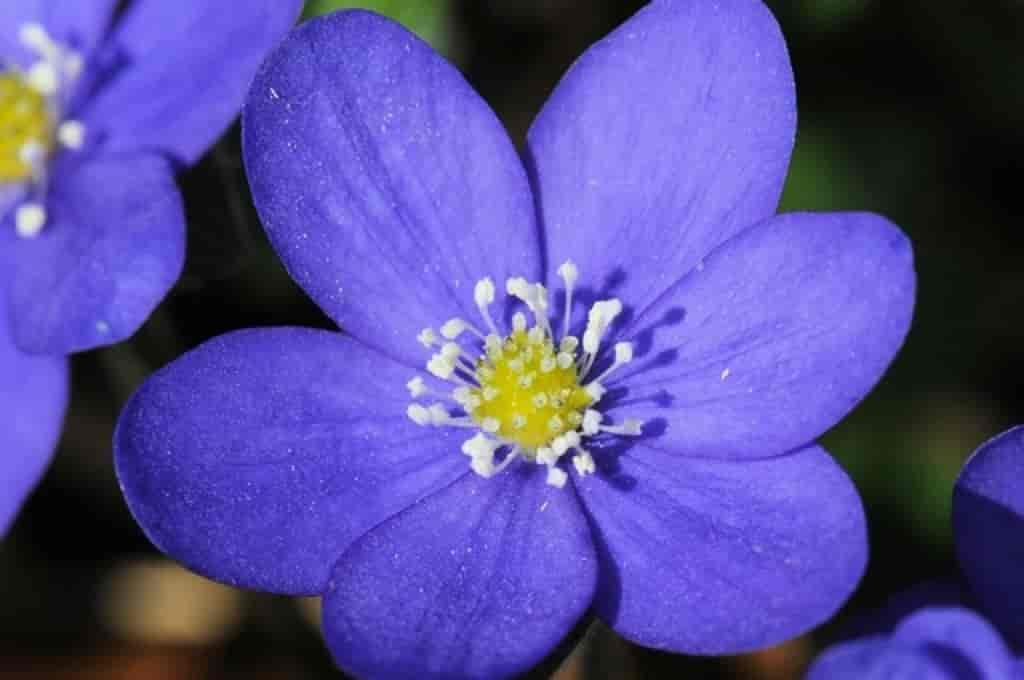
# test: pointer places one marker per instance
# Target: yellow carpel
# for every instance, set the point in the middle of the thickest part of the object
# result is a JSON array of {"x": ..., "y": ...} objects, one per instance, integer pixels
[
  {"x": 532, "y": 394},
  {"x": 24, "y": 120}
]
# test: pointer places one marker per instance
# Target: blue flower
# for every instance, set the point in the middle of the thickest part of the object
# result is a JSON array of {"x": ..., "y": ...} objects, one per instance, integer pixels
[
  {"x": 648, "y": 456},
  {"x": 97, "y": 110},
  {"x": 954, "y": 642}
]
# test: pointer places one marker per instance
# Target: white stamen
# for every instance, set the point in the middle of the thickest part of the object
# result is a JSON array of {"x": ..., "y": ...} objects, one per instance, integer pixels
[
  {"x": 584, "y": 463},
  {"x": 31, "y": 153},
  {"x": 73, "y": 63},
  {"x": 483, "y": 295},
  {"x": 29, "y": 219},
  {"x": 427, "y": 337},
  {"x": 591, "y": 422},
  {"x": 417, "y": 388},
  {"x": 519, "y": 322},
  {"x": 557, "y": 477},
  {"x": 630, "y": 427},
  {"x": 439, "y": 414},
  {"x": 418, "y": 414},
  {"x": 547, "y": 364},
  {"x": 595, "y": 391},
  {"x": 71, "y": 133},
  {"x": 33, "y": 36},
  {"x": 569, "y": 273},
  {"x": 491, "y": 425},
  {"x": 480, "y": 445},
  {"x": 569, "y": 344},
  {"x": 564, "y": 360},
  {"x": 518, "y": 421},
  {"x": 441, "y": 367},
  {"x": 42, "y": 77},
  {"x": 623, "y": 355}
]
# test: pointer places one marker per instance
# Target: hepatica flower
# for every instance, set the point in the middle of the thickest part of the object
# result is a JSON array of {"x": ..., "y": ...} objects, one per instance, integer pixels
[
  {"x": 954, "y": 642},
  {"x": 97, "y": 110},
  {"x": 586, "y": 379}
]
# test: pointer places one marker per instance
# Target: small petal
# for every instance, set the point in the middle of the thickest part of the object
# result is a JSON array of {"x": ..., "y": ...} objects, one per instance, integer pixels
[
  {"x": 481, "y": 580},
  {"x": 988, "y": 525},
  {"x": 258, "y": 457},
  {"x": 748, "y": 553},
  {"x": 112, "y": 246},
  {"x": 185, "y": 68},
  {"x": 663, "y": 140},
  {"x": 386, "y": 184},
  {"x": 773, "y": 339}
]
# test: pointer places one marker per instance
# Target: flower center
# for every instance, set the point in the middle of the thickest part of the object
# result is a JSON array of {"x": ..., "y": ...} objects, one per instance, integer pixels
[
  {"x": 32, "y": 124},
  {"x": 24, "y": 125},
  {"x": 527, "y": 394}
]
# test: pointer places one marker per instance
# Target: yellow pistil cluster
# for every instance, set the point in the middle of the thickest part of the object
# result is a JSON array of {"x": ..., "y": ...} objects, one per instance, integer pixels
[
  {"x": 24, "y": 124},
  {"x": 529, "y": 390}
]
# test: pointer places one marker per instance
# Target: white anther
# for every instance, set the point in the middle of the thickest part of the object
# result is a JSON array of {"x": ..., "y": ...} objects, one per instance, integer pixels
[
  {"x": 591, "y": 422},
  {"x": 516, "y": 365},
  {"x": 595, "y": 391},
  {"x": 623, "y": 352},
  {"x": 540, "y": 400},
  {"x": 518, "y": 421},
  {"x": 462, "y": 394},
  {"x": 527, "y": 380},
  {"x": 600, "y": 317},
  {"x": 557, "y": 477},
  {"x": 29, "y": 219},
  {"x": 575, "y": 418},
  {"x": 490, "y": 393},
  {"x": 568, "y": 272},
  {"x": 427, "y": 337},
  {"x": 555, "y": 424},
  {"x": 584, "y": 463},
  {"x": 417, "y": 388},
  {"x": 483, "y": 466},
  {"x": 33, "y": 36},
  {"x": 559, "y": 445},
  {"x": 491, "y": 425},
  {"x": 572, "y": 438},
  {"x": 480, "y": 445},
  {"x": 518, "y": 287},
  {"x": 73, "y": 63},
  {"x": 71, "y": 133},
  {"x": 43, "y": 78},
  {"x": 564, "y": 360},
  {"x": 451, "y": 351},
  {"x": 547, "y": 364},
  {"x": 630, "y": 427},
  {"x": 418, "y": 414},
  {"x": 535, "y": 335},
  {"x": 483, "y": 292},
  {"x": 546, "y": 456},
  {"x": 440, "y": 366},
  {"x": 438, "y": 414},
  {"x": 31, "y": 153},
  {"x": 519, "y": 322},
  {"x": 569, "y": 344},
  {"x": 453, "y": 328}
]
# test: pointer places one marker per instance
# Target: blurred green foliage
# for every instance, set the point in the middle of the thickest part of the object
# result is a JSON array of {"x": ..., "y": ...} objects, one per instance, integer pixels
[{"x": 429, "y": 19}]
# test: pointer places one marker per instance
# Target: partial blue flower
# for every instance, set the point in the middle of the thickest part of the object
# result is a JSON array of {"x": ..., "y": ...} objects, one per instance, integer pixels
[
  {"x": 952, "y": 642},
  {"x": 936, "y": 643},
  {"x": 470, "y": 469},
  {"x": 98, "y": 108}
]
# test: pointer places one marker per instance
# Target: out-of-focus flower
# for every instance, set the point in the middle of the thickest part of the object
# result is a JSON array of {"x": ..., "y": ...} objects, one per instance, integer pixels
[
  {"x": 97, "y": 110},
  {"x": 952, "y": 642},
  {"x": 642, "y": 444}
]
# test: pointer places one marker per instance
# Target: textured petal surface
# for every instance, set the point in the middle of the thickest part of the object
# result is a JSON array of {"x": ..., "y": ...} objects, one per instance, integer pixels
[
  {"x": 772, "y": 339},
  {"x": 258, "y": 457},
  {"x": 113, "y": 246},
  {"x": 478, "y": 581},
  {"x": 79, "y": 24},
  {"x": 718, "y": 557},
  {"x": 662, "y": 140},
  {"x": 932, "y": 644},
  {"x": 988, "y": 524},
  {"x": 33, "y": 397},
  {"x": 387, "y": 186},
  {"x": 180, "y": 71}
]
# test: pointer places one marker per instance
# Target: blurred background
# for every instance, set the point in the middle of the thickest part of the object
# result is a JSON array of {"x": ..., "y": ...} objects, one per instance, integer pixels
[{"x": 911, "y": 108}]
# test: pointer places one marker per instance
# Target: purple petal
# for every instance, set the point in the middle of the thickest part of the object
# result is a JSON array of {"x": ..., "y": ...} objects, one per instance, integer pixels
[
  {"x": 773, "y": 338},
  {"x": 79, "y": 24},
  {"x": 386, "y": 184},
  {"x": 882, "y": 659},
  {"x": 663, "y": 140},
  {"x": 258, "y": 457},
  {"x": 33, "y": 397},
  {"x": 937, "y": 643},
  {"x": 719, "y": 557},
  {"x": 182, "y": 72},
  {"x": 481, "y": 580},
  {"x": 988, "y": 524},
  {"x": 112, "y": 247}
]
